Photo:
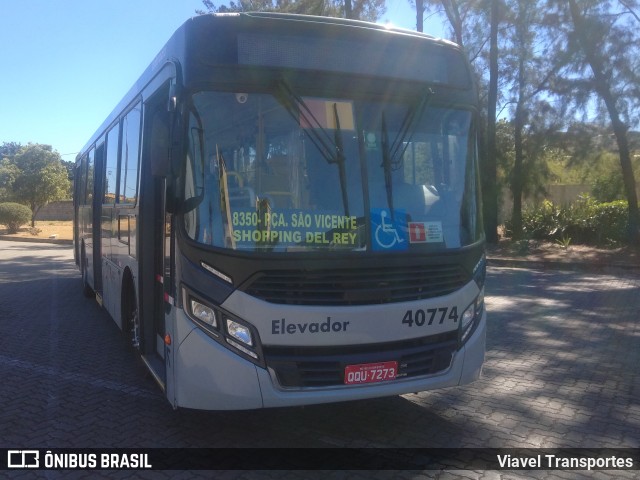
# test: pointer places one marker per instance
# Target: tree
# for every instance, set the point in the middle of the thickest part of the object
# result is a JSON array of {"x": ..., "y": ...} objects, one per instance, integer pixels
[
  {"x": 590, "y": 156},
  {"x": 456, "y": 19},
  {"x": 468, "y": 21},
  {"x": 419, "y": 6},
  {"x": 370, "y": 10},
  {"x": 8, "y": 171},
  {"x": 522, "y": 70},
  {"x": 528, "y": 65},
  {"x": 539, "y": 147},
  {"x": 602, "y": 77},
  {"x": 489, "y": 177},
  {"x": 42, "y": 177},
  {"x": 8, "y": 174},
  {"x": 9, "y": 149},
  {"x": 601, "y": 72}
]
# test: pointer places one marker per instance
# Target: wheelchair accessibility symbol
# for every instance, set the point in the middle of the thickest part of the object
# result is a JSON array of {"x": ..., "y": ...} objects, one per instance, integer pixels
[{"x": 388, "y": 233}]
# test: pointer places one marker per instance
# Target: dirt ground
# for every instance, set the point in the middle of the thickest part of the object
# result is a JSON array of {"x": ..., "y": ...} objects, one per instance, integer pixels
[
  {"x": 536, "y": 251},
  {"x": 45, "y": 229},
  {"x": 524, "y": 250}
]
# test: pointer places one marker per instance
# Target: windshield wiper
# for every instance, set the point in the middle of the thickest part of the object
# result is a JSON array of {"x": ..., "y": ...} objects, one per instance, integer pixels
[
  {"x": 392, "y": 154},
  {"x": 332, "y": 150},
  {"x": 340, "y": 159},
  {"x": 386, "y": 165}
]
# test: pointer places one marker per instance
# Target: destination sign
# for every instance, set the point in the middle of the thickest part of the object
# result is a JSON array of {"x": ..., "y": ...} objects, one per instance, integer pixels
[{"x": 290, "y": 227}]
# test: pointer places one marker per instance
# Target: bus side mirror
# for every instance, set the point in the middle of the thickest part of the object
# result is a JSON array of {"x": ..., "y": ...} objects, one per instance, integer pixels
[
  {"x": 171, "y": 199},
  {"x": 172, "y": 104},
  {"x": 166, "y": 145},
  {"x": 160, "y": 162},
  {"x": 166, "y": 152},
  {"x": 165, "y": 137}
]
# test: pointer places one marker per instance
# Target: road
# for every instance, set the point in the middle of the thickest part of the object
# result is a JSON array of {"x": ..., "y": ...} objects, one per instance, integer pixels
[{"x": 561, "y": 370}]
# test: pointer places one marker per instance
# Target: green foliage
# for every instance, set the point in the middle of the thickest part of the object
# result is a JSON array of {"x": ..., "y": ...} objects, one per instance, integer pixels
[
  {"x": 607, "y": 188},
  {"x": 40, "y": 177},
  {"x": 14, "y": 215},
  {"x": 583, "y": 222},
  {"x": 8, "y": 174},
  {"x": 564, "y": 242},
  {"x": 9, "y": 149}
]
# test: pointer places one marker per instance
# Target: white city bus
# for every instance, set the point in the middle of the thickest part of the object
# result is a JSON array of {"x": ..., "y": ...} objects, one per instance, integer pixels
[{"x": 285, "y": 210}]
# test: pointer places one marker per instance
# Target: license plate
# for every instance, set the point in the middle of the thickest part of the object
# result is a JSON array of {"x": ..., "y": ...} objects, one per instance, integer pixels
[{"x": 370, "y": 372}]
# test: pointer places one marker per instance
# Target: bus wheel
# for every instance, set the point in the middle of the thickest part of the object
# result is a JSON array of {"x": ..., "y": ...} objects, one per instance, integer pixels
[
  {"x": 86, "y": 289},
  {"x": 130, "y": 315}
]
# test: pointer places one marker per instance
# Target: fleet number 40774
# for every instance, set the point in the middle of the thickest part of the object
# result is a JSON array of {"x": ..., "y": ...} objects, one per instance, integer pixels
[{"x": 429, "y": 316}]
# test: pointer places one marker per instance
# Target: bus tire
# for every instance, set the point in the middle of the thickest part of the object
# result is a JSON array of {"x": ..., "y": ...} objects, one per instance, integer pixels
[
  {"x": 87, "y": 291},
  {"x": 130, "y": 312}
]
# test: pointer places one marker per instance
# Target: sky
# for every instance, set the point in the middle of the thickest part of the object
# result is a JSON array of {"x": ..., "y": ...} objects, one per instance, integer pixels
[{"x": 65, "y": 64}]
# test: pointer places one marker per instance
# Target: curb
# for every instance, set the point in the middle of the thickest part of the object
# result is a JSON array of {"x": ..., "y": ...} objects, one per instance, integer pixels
[{"x": 57, "y": 241}]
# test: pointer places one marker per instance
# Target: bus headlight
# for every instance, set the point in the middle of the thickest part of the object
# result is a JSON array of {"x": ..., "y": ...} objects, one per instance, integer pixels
[
  {"x": 471, "y": 317},
  {"x": 239, "y": 332},
  {"x": 203, "y": 313},
  {"x": 227, "y": 329},
  {"x": 467, "y": 317}
]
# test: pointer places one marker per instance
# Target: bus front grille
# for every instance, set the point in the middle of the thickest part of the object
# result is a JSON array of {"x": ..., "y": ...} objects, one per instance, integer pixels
[
  {"x": 363, "y": 286},
  {"x": 298, "y": 367}
]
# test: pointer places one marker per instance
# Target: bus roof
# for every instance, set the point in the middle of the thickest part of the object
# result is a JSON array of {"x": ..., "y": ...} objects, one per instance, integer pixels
[{"x": 176, "y": 49}]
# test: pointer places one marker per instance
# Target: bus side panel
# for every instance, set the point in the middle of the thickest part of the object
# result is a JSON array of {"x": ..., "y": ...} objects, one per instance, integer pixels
[
  {"x": 111, "y": 283},
  {"x": 85, "y": 218},
  {"x": 122, "y": 240},
  {"x": 111, "y": 273}
]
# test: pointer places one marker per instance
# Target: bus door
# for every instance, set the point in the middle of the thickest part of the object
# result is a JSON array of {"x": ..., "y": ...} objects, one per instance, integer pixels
[
  {"x": 156, "y": 238},
  {"x": 96, "y": 221}
]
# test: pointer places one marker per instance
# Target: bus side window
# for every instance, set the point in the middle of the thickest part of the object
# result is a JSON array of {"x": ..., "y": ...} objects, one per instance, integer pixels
[
  {"x": 129, "y": 156},
  {"x": 111, "y": 172},
  {"x": 88, "y": 199}
]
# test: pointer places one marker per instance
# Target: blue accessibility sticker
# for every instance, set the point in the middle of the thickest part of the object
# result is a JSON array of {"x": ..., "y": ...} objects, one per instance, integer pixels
[{"x": 388, "y": 231}]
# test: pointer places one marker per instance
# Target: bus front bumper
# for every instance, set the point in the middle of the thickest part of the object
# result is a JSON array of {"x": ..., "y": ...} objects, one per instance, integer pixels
[{"x": 211, "y": 377}]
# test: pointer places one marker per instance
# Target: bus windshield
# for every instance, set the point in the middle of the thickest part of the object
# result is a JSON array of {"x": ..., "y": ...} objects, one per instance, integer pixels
[{"x": 285, "y": 173}]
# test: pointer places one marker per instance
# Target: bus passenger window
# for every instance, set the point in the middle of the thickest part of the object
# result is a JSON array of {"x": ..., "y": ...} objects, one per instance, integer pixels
[
  {"x": 88, "y": 199},
  {"x": 129, "y": 156},
  {"x": 111, "y": 172}
]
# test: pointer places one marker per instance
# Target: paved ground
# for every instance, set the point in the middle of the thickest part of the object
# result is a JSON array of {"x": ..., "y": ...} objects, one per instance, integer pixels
[{"x": 561, "y": 371}]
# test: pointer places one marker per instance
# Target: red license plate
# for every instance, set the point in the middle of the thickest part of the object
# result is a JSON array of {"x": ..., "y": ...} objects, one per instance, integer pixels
[{"x": 370, "y": 372}]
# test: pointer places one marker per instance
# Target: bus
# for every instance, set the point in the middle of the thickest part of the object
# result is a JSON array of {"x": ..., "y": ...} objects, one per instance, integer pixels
[{"x": 285, "y": 210}]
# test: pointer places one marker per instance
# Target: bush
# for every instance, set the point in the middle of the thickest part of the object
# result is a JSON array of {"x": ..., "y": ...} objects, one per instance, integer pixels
[
  {"x": 608, "y": 189},
  {"x": 14, "y": 215},
  {"x": 584, "y": 222}
]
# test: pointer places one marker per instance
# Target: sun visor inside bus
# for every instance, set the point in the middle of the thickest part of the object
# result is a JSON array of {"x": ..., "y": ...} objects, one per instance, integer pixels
[{"x": 324, "y": 113}]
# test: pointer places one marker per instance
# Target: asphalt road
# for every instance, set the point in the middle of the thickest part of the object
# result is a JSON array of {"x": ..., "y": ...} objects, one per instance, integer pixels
[{"x": 561, "y": 370}]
